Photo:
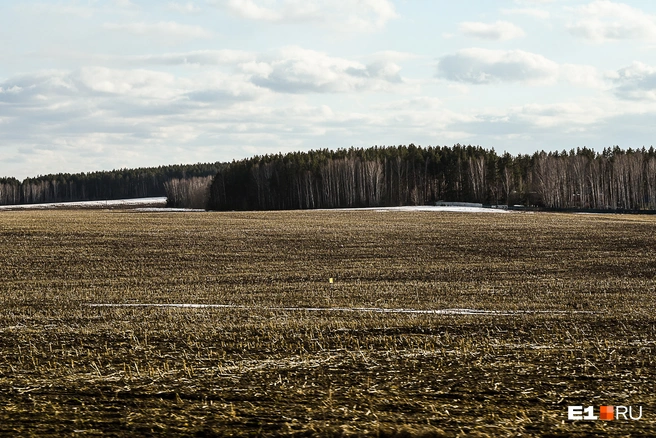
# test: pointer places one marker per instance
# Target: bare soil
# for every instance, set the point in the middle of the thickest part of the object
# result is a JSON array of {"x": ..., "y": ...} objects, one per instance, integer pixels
[{"x": 583, "y": 286}]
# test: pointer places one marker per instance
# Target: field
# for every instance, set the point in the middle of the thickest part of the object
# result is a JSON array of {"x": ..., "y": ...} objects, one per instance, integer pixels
[{"x": 565, "y": 316}]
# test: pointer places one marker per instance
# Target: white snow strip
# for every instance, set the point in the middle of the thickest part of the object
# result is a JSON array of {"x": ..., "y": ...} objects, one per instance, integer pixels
[
  {"x": 168, "y": 210},
  {"x": 437, "y": 209},
  {"x": 149, "y": 202},
  {"x": 89, "y": 204},
  {"x": 348, "y": 309},
  {"x": 193, "y": 306}
]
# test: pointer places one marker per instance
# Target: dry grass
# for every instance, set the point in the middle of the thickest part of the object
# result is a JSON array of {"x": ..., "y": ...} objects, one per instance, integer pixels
[{"x": 69, "y": 367}]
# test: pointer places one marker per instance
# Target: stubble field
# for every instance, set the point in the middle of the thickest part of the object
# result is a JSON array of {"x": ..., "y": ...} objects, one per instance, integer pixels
[{"x": 565, "y": 315}]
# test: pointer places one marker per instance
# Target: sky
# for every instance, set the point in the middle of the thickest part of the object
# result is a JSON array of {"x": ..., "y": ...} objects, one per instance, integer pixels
[{"x": 101, "y": 85}]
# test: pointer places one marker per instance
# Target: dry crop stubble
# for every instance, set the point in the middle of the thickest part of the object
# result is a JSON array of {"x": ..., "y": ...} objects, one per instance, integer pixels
[{"x": 67, "y": 366}]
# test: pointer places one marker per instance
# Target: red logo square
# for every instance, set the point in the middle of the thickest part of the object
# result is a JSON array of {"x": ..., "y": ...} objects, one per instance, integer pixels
[{"x": 606, "y": 413}]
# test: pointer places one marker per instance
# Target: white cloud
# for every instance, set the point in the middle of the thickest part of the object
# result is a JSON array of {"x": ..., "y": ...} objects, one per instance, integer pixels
[
  {"x": 414, "y": 103},
  {"x": 184, "y": 8},
  {"x": 165, "y": 29},
  {"x": 99, "y": 117},
  {"x": 530, "y": 12},
  {"x": 460, "y": 88},
  {"x": 392, "y": 56},
  {"x": 297, "y": 70},
  {"x": 128, "y": 93},
  {"x": 635, "y": 82},
  {"x": 36, "y": 89},
  {"x": 92, "y": 117},
  {"x": 603, "y": 20},
  {"x": 251, "y": 10},
  {"x": 499, "y": 31},
  {"x": 138, "y": 83},
  {"x": 559, "y": 114},
  {"x": 417, "y": 116},
  {"x": 293, "y": 69},
  {"x": 483, "y": 66},
  {"x": 345, "y": 15},
  {"x": 196, "y": 57},
  {"x": 367, "y": 15},
  {"x": 567, "y": 122},
  {"x": 582, "y": 75}
]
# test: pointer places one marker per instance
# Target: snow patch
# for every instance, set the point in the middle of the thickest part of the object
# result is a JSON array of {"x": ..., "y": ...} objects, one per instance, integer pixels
[
  {"x": 158, "y": 205},
  {"x": 346, "y": 309},
  {"x": 114, "y": 203},
  {"x": 450, "y": 208},
  {"x": 433, "y": 208},
  {"x": 167, "y": 210}
]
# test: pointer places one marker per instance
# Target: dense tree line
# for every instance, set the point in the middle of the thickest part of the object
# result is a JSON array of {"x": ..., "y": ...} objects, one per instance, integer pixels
[
  {"x": 9, "y": 191},
  {"x": 411, "y": 175},
  {"x": 614, "y": 179},
  {"x": 105, "y": 185},
  {"x": 188, "y": 192}
]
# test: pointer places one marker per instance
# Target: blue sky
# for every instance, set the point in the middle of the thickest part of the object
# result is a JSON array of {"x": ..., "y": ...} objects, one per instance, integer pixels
[{"x": 92, "y": 85}]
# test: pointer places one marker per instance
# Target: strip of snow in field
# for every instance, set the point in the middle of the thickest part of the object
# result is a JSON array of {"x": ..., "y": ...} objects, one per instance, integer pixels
[
  {"x": 166, "y": 209},
  {"x": 90, "y": 204},
  {"x": 117, "y": 203},
  {"x": 346, "y": 309},
  {"x": 446, "y": 208}
]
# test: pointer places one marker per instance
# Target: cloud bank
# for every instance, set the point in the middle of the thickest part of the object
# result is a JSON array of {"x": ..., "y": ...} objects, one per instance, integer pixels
[
  {"x": 484, "y": 66},
  {"x": 346, "y": 15},
  {"x": 603, "y": 20},
  {"x": 499, "y": 31}
]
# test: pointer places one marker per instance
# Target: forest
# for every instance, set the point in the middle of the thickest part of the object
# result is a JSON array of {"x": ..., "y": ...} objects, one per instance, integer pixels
[
  {"x": 614, "y": 179},
  {"x": 105, "y": 185}
]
